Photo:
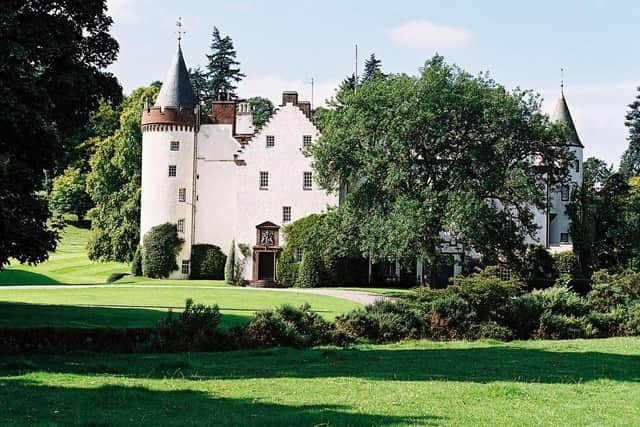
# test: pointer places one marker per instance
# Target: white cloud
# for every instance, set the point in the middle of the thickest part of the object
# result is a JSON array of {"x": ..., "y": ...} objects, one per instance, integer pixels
[
  {"x": 123, "y": 10},
  {"x": 429, "y": 35},
  {"x": 598, "y": 111},
  {"x": 272, "y": 87}
]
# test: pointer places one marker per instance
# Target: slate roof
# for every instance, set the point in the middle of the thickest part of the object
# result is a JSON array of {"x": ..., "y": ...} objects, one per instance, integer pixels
[
  {"x": 176, "y": 90},
  {"x": 562, "y": 115}
]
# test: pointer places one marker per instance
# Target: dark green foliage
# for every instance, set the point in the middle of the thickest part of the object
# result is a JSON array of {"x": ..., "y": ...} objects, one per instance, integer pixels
[
  {"x": 632, "y": 324},
  {"x": 630, "y": 162},
  {"x": 207, "y": 262},
  {"x": 114, "y": 185},
  {"x": 391, "y": 140},
  {"x": 537, "y": 267},
  {"x": 491, "y": 330},
  {"x": 223, "y": 72},
  {"x": 382, "y": 321},
  {"x": 309, "y": 271},
  {"x": 261, "y": 109},
  {"x": 560, "y": 327},
  {"x": 229, "y": 266},
  {"x": 195, "y": 329},
  {"x": 160, "y": 247},
  {"x": 372, "y": 69},
  {"x": 53, "y": 58},
  {"x": 69, "y": 195},
  {"x": 136, "y": 263},
  {"x": 567, "y": 263},
  {"x": 450, "y": 317},
  {"x": 287, "y": 267},
  {"x": 288, "y": 326}
]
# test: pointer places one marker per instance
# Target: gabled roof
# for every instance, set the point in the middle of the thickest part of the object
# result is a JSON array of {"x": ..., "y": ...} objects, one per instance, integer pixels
[
  {"x": 176, "y": 90},
  {"x": 563, "y": 115}
]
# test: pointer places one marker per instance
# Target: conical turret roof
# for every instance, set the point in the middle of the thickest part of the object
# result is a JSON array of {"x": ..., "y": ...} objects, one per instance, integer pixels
[
  {"x": 176, "y": 90},
  {"x": 563, "y": 115}
]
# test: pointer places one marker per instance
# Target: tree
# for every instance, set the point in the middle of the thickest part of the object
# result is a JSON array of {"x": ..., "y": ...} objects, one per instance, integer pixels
[
  {"x": 160, "y": 248},
  {"x": 222, "y": 69},
  {"x": 262, "y": 109},
  {"x": 229, "y": 270},
  {"x": 372, "y": 69},
  {"x": 69, "y": 194},
  {"x": 114, "y": 185},
  {"x": 200, "y": 83},
  {"x": 632, "y": 218},
  {"x": 440, "y": 151},
  {"x": 52, "y": 62},
  {"x": 630, "y": 162},
  {"x": 595, "y": 173}
]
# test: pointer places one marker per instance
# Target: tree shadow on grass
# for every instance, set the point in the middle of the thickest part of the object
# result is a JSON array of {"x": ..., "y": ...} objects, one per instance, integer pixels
[
  {"x": 472, "y": 364},
  {"x": 33, "y": 403},
  {"x": 16, "y": 277}
]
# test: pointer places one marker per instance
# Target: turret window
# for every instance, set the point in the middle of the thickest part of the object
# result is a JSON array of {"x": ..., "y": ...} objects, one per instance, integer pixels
[
  {"x": 174, "y": 146},
  {"x": 565, "y": 193},
  {"x": 577, "y": 165},
  {"x": 172, "y": 170},
  {"x": 271, "y": 141},
  {"x": 307, "y": 180},
  {"x": 182, "y": 195},
  {"x": 264, "y": 180},
  {"x": 306, "y": 141}
]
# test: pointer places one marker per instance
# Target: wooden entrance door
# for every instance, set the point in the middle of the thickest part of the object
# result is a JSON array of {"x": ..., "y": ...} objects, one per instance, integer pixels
[{"x": 266, "y": 266}]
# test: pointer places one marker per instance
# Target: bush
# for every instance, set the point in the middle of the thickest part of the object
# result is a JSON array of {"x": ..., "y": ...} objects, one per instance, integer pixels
[
  {"x": 382, "y": 321},
  {"x": 207, "y": 262},
  {"x": 309, "y": 271},
  {"x": 136, "y": 264},
  {"x": 195, "y": 329},
  {"x": 537, "y": 267},
  {"x": 229, "y": 271},
  {"x": 160, "y": 247},
  {"x": 522, "y": 315},
  {"x": 632, "y": 324},
  {"x": 287, "y": 267},
  {"x": 491, "y": 330},
  {"x": 567, "y": 263},
  {"x": 560, "y": 326},
  {"x": 234, "y": 266},
  {"x": 450, "y": 317}
]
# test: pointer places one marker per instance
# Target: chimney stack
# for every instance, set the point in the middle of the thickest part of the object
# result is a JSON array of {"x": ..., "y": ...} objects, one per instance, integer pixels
[{"x": 289, "y": 97}]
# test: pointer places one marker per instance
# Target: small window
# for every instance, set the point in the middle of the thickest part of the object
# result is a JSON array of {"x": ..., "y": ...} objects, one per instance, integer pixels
[
  {"x": 175, "y": 146},
  {"x": 182, "y": 195},
  {"x": 577, "y": 165},
  {"x": 185, "y": 266},
  {"x": 181, "y": 226},
  {"x": 307, "y": 180},
  {"x": 298, "y": 254},
  {"x": 264, "y": 180},
  {"x": 306, "y": 140},
  {"x": 564, "y": 237},
  {"x": 286, "y": 214},
  {"x": 172, "y": 170},
  {"x": 564, "y": 193},
  {"x": 271, "y": 141}
]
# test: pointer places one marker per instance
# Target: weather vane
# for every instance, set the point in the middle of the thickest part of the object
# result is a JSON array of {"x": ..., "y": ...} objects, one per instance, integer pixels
[
  {"x": 562, "y": 81},
  {"x": 179, "y": 32}
]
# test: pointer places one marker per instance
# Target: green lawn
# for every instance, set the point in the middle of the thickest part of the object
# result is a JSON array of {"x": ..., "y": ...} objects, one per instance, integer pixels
[{"x": 570, "y": 383}]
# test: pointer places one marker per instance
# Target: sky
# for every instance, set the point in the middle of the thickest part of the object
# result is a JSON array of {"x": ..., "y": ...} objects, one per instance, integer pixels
[{"x": 282, "y": 45}]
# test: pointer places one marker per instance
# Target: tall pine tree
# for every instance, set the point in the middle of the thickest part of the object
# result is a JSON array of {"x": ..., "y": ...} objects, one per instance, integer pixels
[
  {"x": 223, "y": 72},
  {"x": 372, "y": 69},
  {"x": 630, "y": 163}
]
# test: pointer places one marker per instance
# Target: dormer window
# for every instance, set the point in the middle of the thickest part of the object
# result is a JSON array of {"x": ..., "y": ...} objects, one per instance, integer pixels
[{"x": 271, "y": 141}]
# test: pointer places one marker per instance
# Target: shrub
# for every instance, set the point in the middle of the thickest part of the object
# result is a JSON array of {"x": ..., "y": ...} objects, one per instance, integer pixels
[
  {"x": 522, "y": 315},
  {"x": 450, "y": 317},
  {"x": 229, "y": 271},
  {"x": 287, "y": 267},
  {"x": 632, "y": 324},
  {"x": 136, "y": 264},
  {"x": 560, "y": 326},
  {"x": 382, "y": 321},
  {"x": 309, "y": 271},
  {"x": 486, "y": 295},
  {"x": 567, "y": 263},
  {"x": 491, "y": 330},
  {"x": 160, "y": 247},
  {"x": 561, "y": 300},
  {"x": 234, "y": 266},
  {"x": 195, "y": 329},
  {"x": 537, "y": 267},
  {"x": 207, "y": 262}
]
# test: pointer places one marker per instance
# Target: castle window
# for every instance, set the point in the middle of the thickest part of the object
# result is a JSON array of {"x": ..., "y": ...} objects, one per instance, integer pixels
[
  {"x": 271, "y": 141},
  {"x": 264, "y": 180},
  {"x": 564, "y": 237},
  {"x": 180, "y": 225},
  {"x": 577, "y": 165},
  {"x": 182, "y": 195},
  {"x": 174, "y": 146},
  {"x": 564, "y": 193},
  {"x": 286, "y": 214},
  {"x": 185, "y": 266},
  {"x": 172, "y": 170},
  {"x": 298, "y": 254},
  {"x": 307, "y": 180},
  {"x": 306, "y": 141}
]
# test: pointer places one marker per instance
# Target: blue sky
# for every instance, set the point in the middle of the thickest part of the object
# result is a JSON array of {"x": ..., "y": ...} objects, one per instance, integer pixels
[{"x": 282, "y": 44}]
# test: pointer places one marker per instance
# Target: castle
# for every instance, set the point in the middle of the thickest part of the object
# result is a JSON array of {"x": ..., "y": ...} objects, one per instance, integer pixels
[{"x": 220, "y": 180}]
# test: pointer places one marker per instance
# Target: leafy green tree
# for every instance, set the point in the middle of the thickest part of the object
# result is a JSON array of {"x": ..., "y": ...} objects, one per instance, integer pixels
[
  {"x": 223, "y": 72},
  {"x": 229, "y": 270},
  {"x": 443, "y": 150},
  {"x": 630, "y": 163},
  {"x": 114, "y": 185},
  {"x": 160, "y": 248},
  {"x": 52, "y": 61},
  {"x": 372, "y": 69},
  {"x": 262, "y": 109},
  {"x": 595, "y": 173},
  {"x": 632, "y": 219},
  {"x": 69, "y": 195},
  {"x": 200, "y": 84}
]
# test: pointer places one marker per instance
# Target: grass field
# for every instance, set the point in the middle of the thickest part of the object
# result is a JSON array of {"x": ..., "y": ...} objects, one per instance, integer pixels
[{"x": 594, "y": 382}]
